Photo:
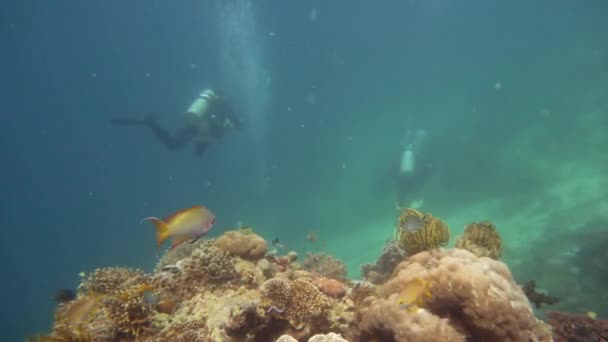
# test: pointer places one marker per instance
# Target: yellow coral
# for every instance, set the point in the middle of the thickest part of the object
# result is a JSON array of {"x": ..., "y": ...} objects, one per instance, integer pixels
[
  {"x": 481, "y": 239},
  {"x": 299, "y": 300},
  {"x": 431, "y": 232},
  {"x": 246, "y": 245},
  {"x": 128, "y": 309}
]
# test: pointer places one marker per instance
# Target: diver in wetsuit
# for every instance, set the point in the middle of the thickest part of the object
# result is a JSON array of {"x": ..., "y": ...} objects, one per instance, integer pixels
[
  {"x": 206, "y": 120},
  {"x": 412, "y": 173}
]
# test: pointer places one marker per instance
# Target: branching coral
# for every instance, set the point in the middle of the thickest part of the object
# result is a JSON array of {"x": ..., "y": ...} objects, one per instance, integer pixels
[
  {"x": 324, "y": 265},
  {"x": 206, "y": 268},
  {"x": 478, "y": 295},
  {"x": 361, "y": 291},
  {"x": 481, "y": 239},
  {"x": 248, "y": 246},
  {"x": 428, "y": 232},
  {"x": 111, "y": 279},
  {"x": 277, "y": 293},
  {"x": 129, "y": 310},
  {"x": 299, "y": 300}
]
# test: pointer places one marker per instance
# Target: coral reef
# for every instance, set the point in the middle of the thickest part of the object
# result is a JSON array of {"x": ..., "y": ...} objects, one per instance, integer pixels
[
  {"x": 246, "y": 245},
  {"x": 385, "y": 320},
  {"x": 477, "y": 295},
  {"x": 203, "y": 292},
  {"x": 568, "y": 327},
  {"x": 392, "y": 254},
  {"x": 324, "y": 265},
  {"x": 426, "y": 232},
  {"x": 481, "y": 239},
  {"x": 538, "y": 298},
  {"x": 111, "y": 279}
]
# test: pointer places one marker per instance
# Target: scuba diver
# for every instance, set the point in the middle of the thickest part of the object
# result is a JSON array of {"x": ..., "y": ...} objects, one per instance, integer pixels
[
  {"x": 206, "y": 120},
  {"x": 412, "y": 173}
]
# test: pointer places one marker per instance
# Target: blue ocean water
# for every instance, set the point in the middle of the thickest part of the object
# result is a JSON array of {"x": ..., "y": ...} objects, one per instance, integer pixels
[{"x": 511, "y": 97}]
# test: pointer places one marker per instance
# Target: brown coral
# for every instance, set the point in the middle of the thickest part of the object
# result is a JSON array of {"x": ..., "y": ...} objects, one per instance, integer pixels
[
  {"x": 278, "y": 293},
  {"x": 430, "y": 232},
  {"x": 569, "y": 327},
  {"x": 206, "y": 268},
  {"x": 385, "y": 320},
  {"x": 248, "y": 246},
  {"x": 478, "y": 295},
  {"x": 324, "y": 265},
  {"x": 111, "y": 279},
  {"x": 129, "y": 311},
  {"x": 392, "y": 254},
  {"x": 298, "y": 300},
  {"x": 361, "y": 291},
  {"x": 481, "y": 239}
]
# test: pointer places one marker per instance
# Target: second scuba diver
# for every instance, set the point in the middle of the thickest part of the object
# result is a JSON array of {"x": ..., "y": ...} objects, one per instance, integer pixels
[{"x": 206, "y": 120}]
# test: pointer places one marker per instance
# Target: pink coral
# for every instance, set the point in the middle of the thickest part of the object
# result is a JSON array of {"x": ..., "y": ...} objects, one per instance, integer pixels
[
  {"x": 330, "y": 287},
  {"x": 478, "y": 295}
]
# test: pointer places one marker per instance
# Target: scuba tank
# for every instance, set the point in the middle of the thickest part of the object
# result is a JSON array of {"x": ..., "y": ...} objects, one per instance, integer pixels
[
  {"x": 201, "y": 104},
  {"x": 407, "y": 164}
]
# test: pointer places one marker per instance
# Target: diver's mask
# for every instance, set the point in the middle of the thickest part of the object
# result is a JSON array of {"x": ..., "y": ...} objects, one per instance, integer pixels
[{"x": 200, "y": 106}]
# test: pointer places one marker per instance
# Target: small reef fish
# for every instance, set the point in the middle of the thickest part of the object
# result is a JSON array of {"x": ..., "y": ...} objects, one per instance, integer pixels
[
  {"x": 412, "y": 295},
  {"x": 413, "y": 224},
  {"x": 187, "y": 225}
]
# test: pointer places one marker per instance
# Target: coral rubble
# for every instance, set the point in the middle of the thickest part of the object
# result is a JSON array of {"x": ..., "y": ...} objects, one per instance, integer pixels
[{"x": 220, "y": 290}]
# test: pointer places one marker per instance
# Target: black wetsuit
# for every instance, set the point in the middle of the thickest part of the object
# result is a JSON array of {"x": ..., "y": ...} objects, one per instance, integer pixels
[{"x": 200, "y": 130}]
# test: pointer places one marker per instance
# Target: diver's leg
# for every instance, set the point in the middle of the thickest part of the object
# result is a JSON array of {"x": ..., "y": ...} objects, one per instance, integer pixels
[{"x": 172, "y": 141}]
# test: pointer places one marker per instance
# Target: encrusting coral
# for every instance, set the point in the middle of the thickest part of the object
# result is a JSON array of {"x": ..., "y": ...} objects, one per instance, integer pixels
[
  {"x": 205, "y": 293},
  {"x": 417, "y": 232},
  {"x": 248, "y": 246},
  {"x": 477, "y": 295},
  {"x": 481, "y": 239},
  {"x": 385, "y": 320}
]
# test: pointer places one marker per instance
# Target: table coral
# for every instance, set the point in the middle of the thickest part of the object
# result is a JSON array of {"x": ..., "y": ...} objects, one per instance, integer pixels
[
  {"x": 432, "y": 232},
  {"x": 481, "y": 239},
  {"x": 478, "y": 295}
]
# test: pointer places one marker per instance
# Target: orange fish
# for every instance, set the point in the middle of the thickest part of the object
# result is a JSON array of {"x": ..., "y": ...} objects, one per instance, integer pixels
[{"x": 187, "y": 225}]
